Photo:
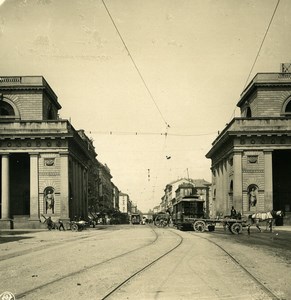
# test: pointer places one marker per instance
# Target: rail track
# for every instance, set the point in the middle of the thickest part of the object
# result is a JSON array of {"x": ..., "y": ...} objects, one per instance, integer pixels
[
  {"x": 103, "y": 263},
  {"x": 257, "y": 281},
  {"x": 121, "y": 282}
]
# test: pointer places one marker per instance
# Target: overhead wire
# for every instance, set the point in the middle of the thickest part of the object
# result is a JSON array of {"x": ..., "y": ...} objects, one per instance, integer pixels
[
  {"x": 265, "y": 35},
  {"x": 151, "y": 133},
  {"x": 135, "y": 65},
  {"x": 258, "y": 53}
]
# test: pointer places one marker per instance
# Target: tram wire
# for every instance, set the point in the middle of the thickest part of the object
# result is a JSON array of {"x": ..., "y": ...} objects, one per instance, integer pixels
[
  {"x": 250, "y": 275},
  {"x": 134, "y": 63}
]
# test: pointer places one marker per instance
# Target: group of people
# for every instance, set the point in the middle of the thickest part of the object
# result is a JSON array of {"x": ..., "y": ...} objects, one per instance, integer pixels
[
  {"x": 234, "y": 214},
  {"x": 52, "y": 225}
]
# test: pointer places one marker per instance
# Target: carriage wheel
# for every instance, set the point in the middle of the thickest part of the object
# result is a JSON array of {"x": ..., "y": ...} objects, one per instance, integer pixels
[
  {"x": 160, "y": 222},
  {"x": 199, "y": 226},
  {"x": 236, "y": 228},
  {"x": 67, "y": 226},
  {"x": 74, "y": 227}
]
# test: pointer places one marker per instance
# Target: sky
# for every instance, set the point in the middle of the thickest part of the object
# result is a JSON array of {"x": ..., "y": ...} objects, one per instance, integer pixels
[{"x": 161, "y": 86}]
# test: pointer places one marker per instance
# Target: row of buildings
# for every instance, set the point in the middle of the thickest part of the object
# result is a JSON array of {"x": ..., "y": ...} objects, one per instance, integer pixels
[
  {"x": 251, "y": 156},
  {"x": 48, "y": 168},
  {"x": 176, "y": 190}
]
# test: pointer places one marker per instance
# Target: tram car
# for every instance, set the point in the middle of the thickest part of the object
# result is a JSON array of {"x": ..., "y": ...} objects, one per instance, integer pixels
[
  {"x": 187, "y": 210},
  {"x": 189, "y": 214},
  {"x": 135, "y": 219}
]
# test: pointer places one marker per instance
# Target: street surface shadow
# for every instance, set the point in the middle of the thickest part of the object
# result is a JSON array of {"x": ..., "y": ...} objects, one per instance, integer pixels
[{"x": 12, "y": 236}]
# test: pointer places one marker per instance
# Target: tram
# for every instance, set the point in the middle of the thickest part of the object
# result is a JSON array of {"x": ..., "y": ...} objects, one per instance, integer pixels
[
  {"x": 187, "y": 210},
  {"x": 189, "y": 214},
  {"x": 135, "y": 219}
]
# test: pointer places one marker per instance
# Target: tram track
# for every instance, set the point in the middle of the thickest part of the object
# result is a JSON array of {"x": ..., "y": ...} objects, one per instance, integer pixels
[
  {"x": 77, "y": 272},
  {"x": 124, "y": 282},
  {"x": 117, "y": 286},
  {"x": 258, "y": 282}
]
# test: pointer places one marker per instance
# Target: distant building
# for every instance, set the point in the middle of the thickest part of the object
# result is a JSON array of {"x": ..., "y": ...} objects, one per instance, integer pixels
[
  {"x": 251, "y": 157},
  {"x": 169, "y": 198},
  {"x": 44, "y": 160},
  {"x": 115, "y": 196},
  {"x": 106, "y": 197},
  {"x": 124, "y": 203}
]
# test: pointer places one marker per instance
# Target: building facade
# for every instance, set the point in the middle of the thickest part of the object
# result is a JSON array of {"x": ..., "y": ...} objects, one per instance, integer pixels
[
  {"x": 124, "y": 203},
  {"x": 251, "y": 157},
  {"x": 44, "y": 160},
  {"x": 202, "y": 187}
]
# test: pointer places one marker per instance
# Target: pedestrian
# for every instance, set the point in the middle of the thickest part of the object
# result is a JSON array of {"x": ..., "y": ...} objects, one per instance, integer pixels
[
  {"x": 61, "y": 225},
  {"x": 233, "y": 212},
  {"x": 50, "y": 223},
  {"x": 249, "y": 229}
]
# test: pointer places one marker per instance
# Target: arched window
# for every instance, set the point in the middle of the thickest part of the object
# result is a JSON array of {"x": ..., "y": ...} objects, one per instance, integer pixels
[
  {"x": 286, "y": 109},
  {"x": 248, "y": 113},
  {"x": 6, "y": 110}
]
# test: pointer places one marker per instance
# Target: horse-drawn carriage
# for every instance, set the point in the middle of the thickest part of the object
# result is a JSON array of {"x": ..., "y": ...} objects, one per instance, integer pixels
[
  {"x": 189, "y": 213},
  {"x": 75, "y": 225},
  {"x": 162, "y": 219}
]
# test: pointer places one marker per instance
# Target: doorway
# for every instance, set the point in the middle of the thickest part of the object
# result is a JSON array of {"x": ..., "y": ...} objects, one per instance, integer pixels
[
  {"x": 19, "y": 172},
  {"x": 282, "y": 180}
]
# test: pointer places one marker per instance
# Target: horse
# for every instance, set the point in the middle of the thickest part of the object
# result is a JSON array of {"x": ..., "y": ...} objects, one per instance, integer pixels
[{"x": 267, "y": 217}]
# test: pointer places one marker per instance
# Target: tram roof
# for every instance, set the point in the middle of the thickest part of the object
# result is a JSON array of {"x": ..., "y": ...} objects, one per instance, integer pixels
[{"x": 192, "y": 198}]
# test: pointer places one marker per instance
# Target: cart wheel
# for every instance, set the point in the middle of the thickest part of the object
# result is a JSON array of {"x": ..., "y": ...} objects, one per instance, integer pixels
[
  {"x": 199, "y": 226},
  {"x": 74, "y": 227},
  {"x": 236, "y": 228},
  {"x": 67, "y": 226}
]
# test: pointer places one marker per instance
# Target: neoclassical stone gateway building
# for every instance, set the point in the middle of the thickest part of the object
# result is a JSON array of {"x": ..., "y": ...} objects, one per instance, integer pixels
[
  {"x": 43, "y": 158},
  {"x": 251, "y": 157}
]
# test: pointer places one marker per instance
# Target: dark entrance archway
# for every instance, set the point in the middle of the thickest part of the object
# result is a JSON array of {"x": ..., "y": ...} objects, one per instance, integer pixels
[
  {"x": 0, "y": 187},
  {"x": 19, "y": 171},
  {"x": 282, "y": 180}
]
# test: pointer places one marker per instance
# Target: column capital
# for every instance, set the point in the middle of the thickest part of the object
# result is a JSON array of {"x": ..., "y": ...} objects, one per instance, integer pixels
[
  {"x": 4, "y": 154},
  {"x": 33, "y": 153},
  {"x": 237, "y": 151},
  {"x": 65, "y": 153},
  {"x": 268, "y": 150}
]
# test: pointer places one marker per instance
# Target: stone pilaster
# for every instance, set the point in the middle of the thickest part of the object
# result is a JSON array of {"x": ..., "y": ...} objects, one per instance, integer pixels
[
  {"x": 268, "y": 180},
  {"x": 34, "y": 197},
  {"x": 64, "y": 186},
  {"x": 237, "y": 181}
]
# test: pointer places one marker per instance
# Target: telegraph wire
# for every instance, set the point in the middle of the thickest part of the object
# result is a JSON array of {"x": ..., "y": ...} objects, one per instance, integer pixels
[
  {"x": 258, "y": 53},
  {"x": 256, "y": 58},
  {"x": 135, "y": 65},
  {"x": 151, "y": 133}
]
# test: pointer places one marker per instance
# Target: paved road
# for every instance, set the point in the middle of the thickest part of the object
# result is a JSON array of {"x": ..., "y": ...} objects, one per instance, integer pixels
[{"x": 90, "y": 264}]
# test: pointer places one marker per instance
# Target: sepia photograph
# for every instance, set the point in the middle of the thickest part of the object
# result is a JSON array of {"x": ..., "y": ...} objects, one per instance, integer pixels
[{"x": 145, "y": 149}]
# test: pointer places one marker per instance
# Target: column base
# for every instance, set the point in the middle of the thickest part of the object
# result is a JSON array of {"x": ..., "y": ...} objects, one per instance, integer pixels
[{"x": 6, "y": 224}]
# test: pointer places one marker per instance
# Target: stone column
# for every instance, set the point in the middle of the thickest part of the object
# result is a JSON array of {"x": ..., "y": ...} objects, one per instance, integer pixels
[
  {"x": 5, "y": 187},
  {"x": 268, "y": 180},
  {"x": 34, "y": 201},
  {"x": 64, "y": 186},
  {"x": 237, "y": 181}
]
